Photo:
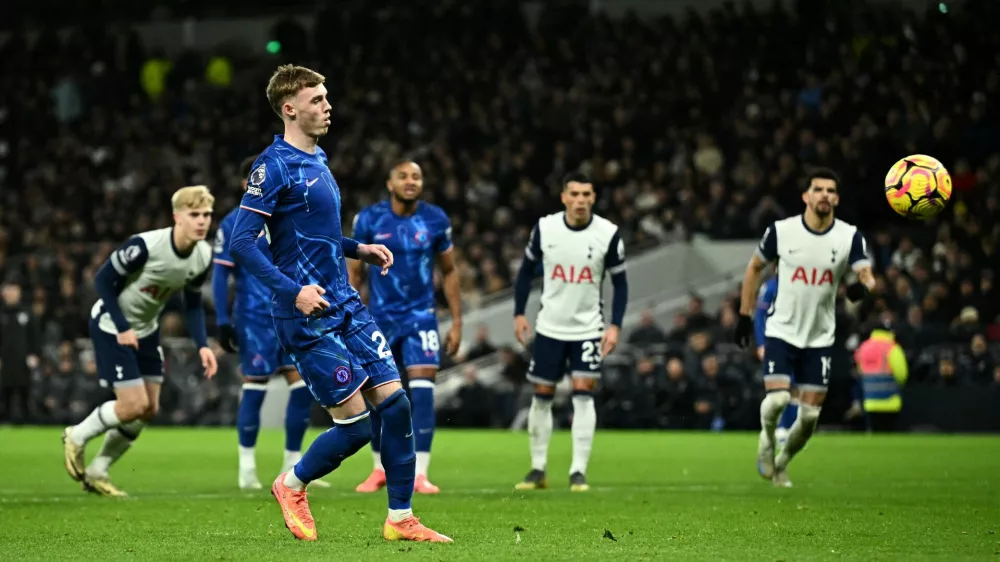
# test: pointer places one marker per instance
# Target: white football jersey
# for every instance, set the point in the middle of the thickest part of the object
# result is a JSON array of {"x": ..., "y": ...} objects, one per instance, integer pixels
[
  {"x": 811, "y": 266},
  {"x": 153, "y": 272},
  {"x": 574, "y": 263}
]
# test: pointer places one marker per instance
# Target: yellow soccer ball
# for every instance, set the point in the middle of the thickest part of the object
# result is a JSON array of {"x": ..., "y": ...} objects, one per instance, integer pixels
[{"x": 918, "y": 187}]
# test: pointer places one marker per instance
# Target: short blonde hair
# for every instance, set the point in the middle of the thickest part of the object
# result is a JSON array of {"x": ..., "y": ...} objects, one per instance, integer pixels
[
  {"x": 192, "y": 197},
  {"x": 289, "y": 80}
]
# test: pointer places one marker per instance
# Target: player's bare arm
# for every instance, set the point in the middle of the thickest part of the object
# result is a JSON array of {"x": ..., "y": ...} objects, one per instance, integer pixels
[
  {"x": 751, "y": 285},
  {"x": 356, "y": 276},
  {"x": 522, "y": 289},
  {"x": 453, "y": 294}
]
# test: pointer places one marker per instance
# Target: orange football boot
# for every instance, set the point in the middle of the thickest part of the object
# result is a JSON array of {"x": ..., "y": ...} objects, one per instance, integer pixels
[
  {"x": 423, "y": 486},
  {"x": 374, "y": 482},
  {"x": 295, "y": 509},
  {"x": 410, "y": 529}
]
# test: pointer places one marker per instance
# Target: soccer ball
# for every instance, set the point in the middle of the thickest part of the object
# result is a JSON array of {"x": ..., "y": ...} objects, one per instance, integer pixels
[{"x": 918, "y": 187}]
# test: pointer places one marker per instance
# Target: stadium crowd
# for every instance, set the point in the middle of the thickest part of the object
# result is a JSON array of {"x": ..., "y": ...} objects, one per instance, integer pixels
[{"x": 697, "y": 124}]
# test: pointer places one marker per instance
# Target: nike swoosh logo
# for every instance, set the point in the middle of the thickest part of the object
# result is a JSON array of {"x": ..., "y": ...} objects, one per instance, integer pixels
[
  {"x": 312, "y": 181},
  {"x": 382, "y": 236},
  {"x": 305, "y": 530},
  {"x": 410, "y": 434}
]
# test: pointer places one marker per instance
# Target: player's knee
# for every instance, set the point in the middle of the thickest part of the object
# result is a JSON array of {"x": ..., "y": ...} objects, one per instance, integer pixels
[
  {"x": 582, "y": 384},
  {"x": 809, "y": 414},
  {"x": 132, "y": 407},
  {"x": 779, "y": 398},
  {"x": 395, "y": 409},
  {"x": 152, "y": 408},
  {"x": 356, "y": 430},
  {"x": 291, "y": 375},
  {"x": 545, "y": 391},
  {"x": 421, "y": 374},
  {"x": 541, "y": 401}
]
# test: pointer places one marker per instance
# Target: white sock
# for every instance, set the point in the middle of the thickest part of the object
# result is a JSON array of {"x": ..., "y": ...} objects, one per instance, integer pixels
[
  {"x": 397, "y": 515},
  {"x": 378, "y": 460},
  {"x": 248, "y": 458},
  {"x": 770, "y": 412},
  {"x": 423, "y": 461},
  {"x": 540, "y": 431},
  {"x": 100, "y": 420},
  {"x": 798, "y": 435},
  {"x": 293, "y": 481},
  {"x": 116, "y": 442},
  {"x": 584, "y": 425},
  {"x": 291, "y": 459}
]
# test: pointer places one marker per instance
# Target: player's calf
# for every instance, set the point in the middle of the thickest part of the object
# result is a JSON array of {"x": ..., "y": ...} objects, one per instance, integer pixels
[
  {"x": 539, "y": 435},
  {"x": 802, "y": 430},
  {"x": 248, "y": 427},
  {"x": 350, "y": 432},
  {"x": 375, "y": 480},
  {"x": 771, "y": 407},
  {"x": 422, "y": 405},
  {"x": 132, "y": 402},
  {"x": 398, "y": 454},
  {"x": 583, "y": 427}
]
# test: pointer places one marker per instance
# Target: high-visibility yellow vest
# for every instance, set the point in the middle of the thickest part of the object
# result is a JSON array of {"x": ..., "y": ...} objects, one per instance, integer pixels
[{"x": 883, "y": 370}]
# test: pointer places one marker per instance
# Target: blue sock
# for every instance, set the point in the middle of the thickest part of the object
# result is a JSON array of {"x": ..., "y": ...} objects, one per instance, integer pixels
[
  {"x": 297, "y": 415},
  {"x": 398, "y": 456},
  {"x": 333, "y": 446},
  {"x": 422, "y": 399},
  {"x": 248, "y": 416},
  {"x": 376, "y": 431},
  {"x": 788, "y": 416}
]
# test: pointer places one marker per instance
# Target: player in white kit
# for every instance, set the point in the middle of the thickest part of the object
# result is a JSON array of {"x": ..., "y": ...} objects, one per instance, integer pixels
[
  {"x": 814, "y": 251},
  {"x": 577, "y": 250},
  {"x": 134, "y": 285}
]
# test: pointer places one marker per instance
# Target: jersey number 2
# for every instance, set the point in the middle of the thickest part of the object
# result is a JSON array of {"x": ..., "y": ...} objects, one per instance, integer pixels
[
  {"x": 383, "y": 348},
  {"x": 591, "y": 353}
]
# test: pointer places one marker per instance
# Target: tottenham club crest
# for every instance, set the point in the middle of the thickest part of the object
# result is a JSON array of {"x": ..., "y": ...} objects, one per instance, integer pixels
[
  {"x": 342, "y": 375},
  {"x": 257, "y": 177}
]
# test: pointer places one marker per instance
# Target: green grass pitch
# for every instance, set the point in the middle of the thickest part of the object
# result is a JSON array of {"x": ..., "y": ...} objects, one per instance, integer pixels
[{"x": 655, "y": 496}]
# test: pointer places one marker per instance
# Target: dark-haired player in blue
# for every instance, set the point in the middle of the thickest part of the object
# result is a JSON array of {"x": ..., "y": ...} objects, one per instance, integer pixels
[
  {"x": 402, "y": 302},
  {"x": 250, "y": 332},
  {"x": 765, "y": 301},
  {"x": 318, "y": 317}
]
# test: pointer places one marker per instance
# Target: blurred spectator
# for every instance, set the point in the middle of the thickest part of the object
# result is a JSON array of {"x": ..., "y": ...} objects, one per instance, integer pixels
[
  {"x": 19, "y": 353},
  {"x": 648, "y": 333},
  {"x": 481, "y": 346},
  {"x": 97, "y": 131}
]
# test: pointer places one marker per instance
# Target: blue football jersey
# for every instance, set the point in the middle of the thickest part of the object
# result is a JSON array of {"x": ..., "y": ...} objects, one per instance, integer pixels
[
  {"x": 295, "y": 195},
  {"x": 415, "y": 242},
  {"x": 252, "y": 302}
]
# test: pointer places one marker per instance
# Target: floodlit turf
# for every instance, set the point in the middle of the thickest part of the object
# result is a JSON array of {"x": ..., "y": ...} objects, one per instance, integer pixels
[{"x": 662, "y": 496}]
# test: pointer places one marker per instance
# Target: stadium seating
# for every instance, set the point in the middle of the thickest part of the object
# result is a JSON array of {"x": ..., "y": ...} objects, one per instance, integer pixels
[{"x": 694, "y": 125}]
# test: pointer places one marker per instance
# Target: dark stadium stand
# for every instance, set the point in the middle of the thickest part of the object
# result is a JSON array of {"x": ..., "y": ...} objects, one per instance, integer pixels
[{"x": 688, "y": 125}]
